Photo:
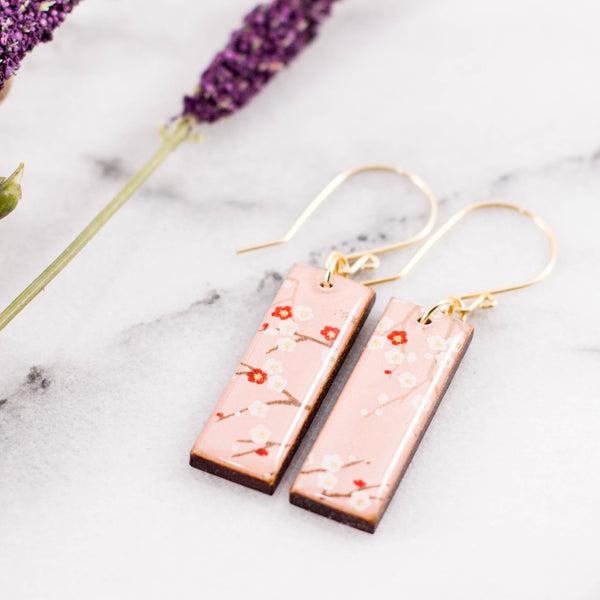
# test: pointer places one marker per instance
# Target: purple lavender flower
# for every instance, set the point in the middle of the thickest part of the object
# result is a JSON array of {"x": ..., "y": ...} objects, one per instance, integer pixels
[
  {"x": 272, "y": 35},
  {"x": 23, "y": 25}
]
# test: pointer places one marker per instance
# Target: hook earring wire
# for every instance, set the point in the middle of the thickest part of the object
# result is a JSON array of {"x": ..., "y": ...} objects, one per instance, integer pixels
[
  {"x": 366, "y": 259},
  {"x": 485, "y": 299}
]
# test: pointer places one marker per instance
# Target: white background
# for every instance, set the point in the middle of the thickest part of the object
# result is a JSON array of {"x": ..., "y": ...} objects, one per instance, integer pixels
[{"x": 109, "y": 375}]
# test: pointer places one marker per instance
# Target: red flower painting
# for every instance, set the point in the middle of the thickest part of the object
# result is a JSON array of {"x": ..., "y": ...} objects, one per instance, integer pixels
[
  {"x": 330, "y": 333},
  {"x": 397, "y": 337},
  {"x": 283, "y": 312},
  {"x": 257, "y": 376}
]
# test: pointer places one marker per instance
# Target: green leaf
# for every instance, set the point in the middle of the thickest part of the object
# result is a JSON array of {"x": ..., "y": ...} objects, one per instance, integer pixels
[{"x": 10, "y": 191}]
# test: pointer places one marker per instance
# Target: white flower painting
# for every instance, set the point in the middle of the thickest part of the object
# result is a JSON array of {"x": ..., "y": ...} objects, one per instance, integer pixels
[
  {"x": 360, "y": 500},
  {"x": 326, "y": 481},
  {"x": 258, "y": 409},
  {"x": 273, "y": 367},
  {"x": 286, "y": 344},
  {"x": 276, "y": 383},
  {"x": 332, "y": 463},
  {"x": 303, "y": 313},
  {"x": 376, "y": 342},
  {"x": 260, "y": 434},
  {"x": 407, "y": 380}
]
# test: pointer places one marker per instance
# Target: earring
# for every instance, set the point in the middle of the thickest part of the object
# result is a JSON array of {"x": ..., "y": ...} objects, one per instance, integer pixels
[
  {"x": 375, "y": 427},
  {"x": 296, "y": 351}
]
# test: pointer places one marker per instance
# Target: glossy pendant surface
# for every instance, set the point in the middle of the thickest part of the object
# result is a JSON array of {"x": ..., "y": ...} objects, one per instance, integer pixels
[
  {"x": 282, "y": 378},
  {"x": 368, "y": 440}
]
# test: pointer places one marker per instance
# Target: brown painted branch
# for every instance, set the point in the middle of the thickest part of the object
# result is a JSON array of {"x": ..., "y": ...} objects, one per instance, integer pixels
[
  {"x": 350, "y": 464},
  {"x": 397, "y": 398},
  {"x": 290, "y": 401},
  {"x": 265, "y": 447},
  {"x": 304, "y": 338},
  {"x": 300, "y": 337},
  {"x": 349, "y": 494}
]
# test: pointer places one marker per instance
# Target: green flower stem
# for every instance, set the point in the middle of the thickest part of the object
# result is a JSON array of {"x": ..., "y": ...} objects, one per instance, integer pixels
[{"x": 179, "y": 133}]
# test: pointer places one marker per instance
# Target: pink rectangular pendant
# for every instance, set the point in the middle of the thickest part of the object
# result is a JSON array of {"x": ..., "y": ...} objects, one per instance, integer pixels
[
  {"x": 281, "y": 379},
  {"x": 369, "y": 439}
]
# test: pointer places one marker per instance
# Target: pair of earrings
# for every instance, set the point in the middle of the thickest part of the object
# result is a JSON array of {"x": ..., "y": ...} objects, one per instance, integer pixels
[{"x": 375, "y": 427}]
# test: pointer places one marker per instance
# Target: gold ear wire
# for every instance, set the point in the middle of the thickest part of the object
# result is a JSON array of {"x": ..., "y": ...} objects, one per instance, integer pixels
[
  {"x": 484, "y": 299},
  {"x": 332, "y": 186}
]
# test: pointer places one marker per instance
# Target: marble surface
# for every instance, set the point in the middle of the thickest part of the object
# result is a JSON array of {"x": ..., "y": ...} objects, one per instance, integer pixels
[{"x": 107, "y": 378}]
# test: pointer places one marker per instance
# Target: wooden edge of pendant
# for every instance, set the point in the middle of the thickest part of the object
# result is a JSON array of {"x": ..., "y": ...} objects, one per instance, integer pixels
[
  {"x": 215, "y": 468},
  {"x": 362, "y": 524},
  {"x": 332, "y": 513}
]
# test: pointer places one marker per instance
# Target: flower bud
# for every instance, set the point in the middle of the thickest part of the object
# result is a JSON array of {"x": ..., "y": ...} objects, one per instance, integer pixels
[
  {"x": 4, "y": 90},
  {"x": 10, "y": 191}
]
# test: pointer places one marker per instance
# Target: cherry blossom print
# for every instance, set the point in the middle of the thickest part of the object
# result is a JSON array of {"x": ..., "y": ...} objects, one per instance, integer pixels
[
  {"x": 394, "y": 356},
  {"x": 332, "y": 463},
  {"x": 381, "y": 415},
  {"x": 286, "y": 344},
  {"x": 360, "y": 500},
  {"x": 376, "y": 342},
  {"x": 326, "y": 481},
  {"x": 257, "y": 376},
  {"x": 280, "y": 379},
  {"x": 283, "y": 312},
  {"x": 288, "y": 328},
  {"x": 407, "y": 380},
  {"x": 330, "y": 333},
  {"x": 277, "y": 383},
  {"x": 258, "y": 409},
  {"x": 260, "y": 434},
  {"x": 385, "y": 324},
  {"x": 262, "y": 451},
  {"x": 397, "y": 337},
  {"x": 273, "y": 367},
  {"x": 303, "y": 313},
  {"x": 437, "y": 343}
]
